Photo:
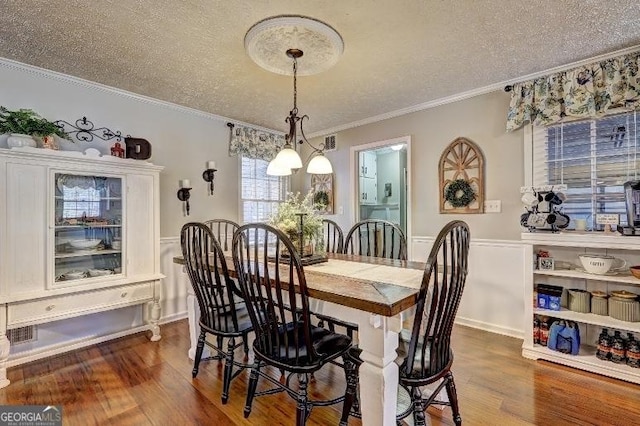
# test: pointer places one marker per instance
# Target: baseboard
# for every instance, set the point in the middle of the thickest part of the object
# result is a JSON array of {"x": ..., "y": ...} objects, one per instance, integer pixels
[
  {"x": 492, "y": 328},
  {"x": 173, "y": 318}
]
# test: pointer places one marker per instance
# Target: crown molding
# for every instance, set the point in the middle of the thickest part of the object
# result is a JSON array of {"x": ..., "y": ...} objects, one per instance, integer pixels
[
  {"x": 87, "y": 84},
  {"x": 472, "y": 93}
]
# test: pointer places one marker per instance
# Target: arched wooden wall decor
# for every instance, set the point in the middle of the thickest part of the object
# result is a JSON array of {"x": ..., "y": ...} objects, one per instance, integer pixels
[{"x": 461, "y": 176}]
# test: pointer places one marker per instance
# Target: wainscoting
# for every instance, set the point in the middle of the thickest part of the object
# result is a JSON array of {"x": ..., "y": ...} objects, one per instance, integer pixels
[
  {"x": 492, "y": 301},
  {"x": 493, "y": 298}
]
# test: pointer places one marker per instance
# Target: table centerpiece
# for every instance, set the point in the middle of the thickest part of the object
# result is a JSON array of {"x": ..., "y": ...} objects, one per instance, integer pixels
[{"x": 299, "y": 219}]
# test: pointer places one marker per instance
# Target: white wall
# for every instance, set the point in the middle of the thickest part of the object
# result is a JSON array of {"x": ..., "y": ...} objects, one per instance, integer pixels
[
  {"x": 182, "y": 140},
  {"x": 481, "y": 119}
]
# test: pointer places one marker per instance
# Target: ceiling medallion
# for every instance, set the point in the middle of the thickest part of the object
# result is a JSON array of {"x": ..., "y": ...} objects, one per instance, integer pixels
[{"x": 268, "y": 41}]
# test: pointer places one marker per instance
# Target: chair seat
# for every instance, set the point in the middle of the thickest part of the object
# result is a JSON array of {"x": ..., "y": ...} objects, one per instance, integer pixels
[
  {"x": 224, "y": 323},
  {"x": 327, "y": 345},
  {"x": 403, "y": 350}
]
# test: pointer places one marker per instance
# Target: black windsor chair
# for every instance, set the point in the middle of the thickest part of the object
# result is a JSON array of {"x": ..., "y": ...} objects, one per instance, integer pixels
[
  {"x": 220, "y": 313},
  {"x": 333, "y": 236},
  {"x": 223, "y": 230},
  {"x": 273, "y": 281},
  {"x": 429, "y": 357},
  {"x": 377, "y": 238}
]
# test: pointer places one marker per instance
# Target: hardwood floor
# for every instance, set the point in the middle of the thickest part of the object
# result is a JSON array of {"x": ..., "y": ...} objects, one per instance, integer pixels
[{"x": 131, "y": 381}]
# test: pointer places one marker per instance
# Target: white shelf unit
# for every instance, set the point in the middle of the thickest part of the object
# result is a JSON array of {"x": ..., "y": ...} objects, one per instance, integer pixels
[{"x": 564, "y": 249}]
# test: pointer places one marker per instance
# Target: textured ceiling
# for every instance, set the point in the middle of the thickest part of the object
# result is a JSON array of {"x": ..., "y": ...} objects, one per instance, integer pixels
[{"x": 398, "y": 53}]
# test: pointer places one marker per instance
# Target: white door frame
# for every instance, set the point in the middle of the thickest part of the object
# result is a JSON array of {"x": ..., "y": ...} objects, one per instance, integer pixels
[{"x": 353, "y": 170}]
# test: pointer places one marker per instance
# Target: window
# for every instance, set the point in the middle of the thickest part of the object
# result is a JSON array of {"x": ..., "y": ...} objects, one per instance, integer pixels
[
  {"x": 594, "y": 158},
  {"x": 260, "y": 193},
  {"x": 79, "y": 203}
]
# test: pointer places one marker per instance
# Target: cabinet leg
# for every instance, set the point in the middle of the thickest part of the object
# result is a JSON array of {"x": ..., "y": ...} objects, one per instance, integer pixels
[{"x": 154, "y": 317}]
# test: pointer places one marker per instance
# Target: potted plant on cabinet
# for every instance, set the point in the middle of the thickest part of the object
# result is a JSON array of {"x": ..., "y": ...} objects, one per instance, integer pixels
[{"x": 24, "y": 124}]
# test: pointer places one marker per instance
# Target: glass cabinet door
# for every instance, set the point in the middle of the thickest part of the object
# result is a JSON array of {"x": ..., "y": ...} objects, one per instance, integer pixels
[{"x": 87, "y": 227}]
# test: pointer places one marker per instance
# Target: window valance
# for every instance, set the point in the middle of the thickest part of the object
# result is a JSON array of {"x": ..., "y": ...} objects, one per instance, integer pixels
[
  {"x": 254, "y": 143},
  {"x": 583, "y": 92}
]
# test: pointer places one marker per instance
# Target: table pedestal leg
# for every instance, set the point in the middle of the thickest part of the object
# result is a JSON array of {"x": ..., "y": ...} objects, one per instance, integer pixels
[
  {"x": 378, "y": 339},
  {"x": 193, "y": 315}
]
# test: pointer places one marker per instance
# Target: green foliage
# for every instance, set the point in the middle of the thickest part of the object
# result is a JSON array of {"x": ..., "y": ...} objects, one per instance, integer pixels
[
  {"x": 26, "y": 121},
  {"x": 321, "y": 198},
  {"x": 286, "y": 217},
  {"x": 460, "y": 193}
]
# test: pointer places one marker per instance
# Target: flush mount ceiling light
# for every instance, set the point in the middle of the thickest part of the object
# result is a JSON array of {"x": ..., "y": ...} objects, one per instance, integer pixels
[{"x": 281, "y": 44}]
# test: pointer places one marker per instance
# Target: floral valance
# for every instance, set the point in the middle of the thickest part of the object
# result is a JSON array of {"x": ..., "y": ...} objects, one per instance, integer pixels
[
  {"x": 254, "y": 143},
  {"x": 583, "y": 92}
]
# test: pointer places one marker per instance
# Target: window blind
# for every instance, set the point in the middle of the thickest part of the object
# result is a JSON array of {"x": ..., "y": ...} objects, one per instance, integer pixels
[
  {"x": 260, "y": 193},
  {"x": 594, "y": 158}
]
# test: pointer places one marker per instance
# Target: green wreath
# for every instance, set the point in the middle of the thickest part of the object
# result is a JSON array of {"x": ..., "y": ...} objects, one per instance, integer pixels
[{"x": 460, "y": 193}]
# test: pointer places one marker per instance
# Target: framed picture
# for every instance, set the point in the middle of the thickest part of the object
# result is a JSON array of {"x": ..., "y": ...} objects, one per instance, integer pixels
[
  {"x": 545, "y": 263},
  {"x": 322, "y": 189}
]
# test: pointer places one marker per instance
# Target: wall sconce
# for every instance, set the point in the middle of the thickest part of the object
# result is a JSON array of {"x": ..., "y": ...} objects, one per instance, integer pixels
[
  {"x": 184, "y": 194},
  {"x": 209, "y": 174}
]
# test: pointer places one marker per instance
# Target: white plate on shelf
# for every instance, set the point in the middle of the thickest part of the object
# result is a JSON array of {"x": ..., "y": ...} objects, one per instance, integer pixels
[
  {"x": 74, "y": 275},
  {"x": 100, "y": 272},
  {"x": 607, "y": 274}
]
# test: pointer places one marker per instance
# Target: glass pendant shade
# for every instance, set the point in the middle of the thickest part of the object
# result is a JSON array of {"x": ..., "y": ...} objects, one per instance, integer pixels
[
  {"x": 319, "y": 165},
  {"x": 288, "y": 158},
  {"x": 274, "y": 169}
]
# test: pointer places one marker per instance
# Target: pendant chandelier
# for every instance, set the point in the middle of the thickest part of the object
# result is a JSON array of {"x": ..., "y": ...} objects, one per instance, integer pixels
[
  {"x": 265, "y": 42},
  {"x": 288, "y": 158}
]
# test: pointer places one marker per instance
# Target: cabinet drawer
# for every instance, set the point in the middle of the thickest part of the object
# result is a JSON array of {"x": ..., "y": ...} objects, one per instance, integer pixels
[{"x": 72, "y": 305}]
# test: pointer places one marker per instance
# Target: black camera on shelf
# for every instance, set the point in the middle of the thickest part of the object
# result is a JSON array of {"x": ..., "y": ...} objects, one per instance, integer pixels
[{"x": 543, "y": 211}]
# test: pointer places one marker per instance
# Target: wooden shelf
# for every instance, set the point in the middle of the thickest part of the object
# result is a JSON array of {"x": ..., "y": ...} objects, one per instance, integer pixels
[
  {"x": 601, "y": 320},
  {"x": 585, "y": 360},
  {"x": 81, "y": 253},
  {"x": 622, "y": 278},
  {"x": 66, "y": 227},
  {"x": 60, "y": 197},
  {"x": 583, "y": 239}
]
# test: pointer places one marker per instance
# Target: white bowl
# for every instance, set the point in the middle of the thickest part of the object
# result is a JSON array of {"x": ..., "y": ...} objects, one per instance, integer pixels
[
  {"x": 600, "y": 264},
  {"x": 99, "y": 272},
  {"x": 84, "y": 244}
]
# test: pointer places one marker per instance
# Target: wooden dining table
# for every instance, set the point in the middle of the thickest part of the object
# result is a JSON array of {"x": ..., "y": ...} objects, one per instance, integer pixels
[{"x": 374, "y": 293}]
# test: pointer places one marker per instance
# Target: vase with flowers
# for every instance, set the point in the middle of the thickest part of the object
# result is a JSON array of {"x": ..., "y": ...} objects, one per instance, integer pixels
[{"x": 298, "y": 218}]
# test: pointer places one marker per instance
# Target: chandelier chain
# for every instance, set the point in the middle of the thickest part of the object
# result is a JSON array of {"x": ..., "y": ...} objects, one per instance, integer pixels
[{"x": 295, "y": 85}]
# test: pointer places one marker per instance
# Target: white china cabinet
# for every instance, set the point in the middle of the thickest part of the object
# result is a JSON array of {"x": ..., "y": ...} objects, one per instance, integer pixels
[
  {"x": 79, "y": 234},
  {"x": 564, "y": 248}
]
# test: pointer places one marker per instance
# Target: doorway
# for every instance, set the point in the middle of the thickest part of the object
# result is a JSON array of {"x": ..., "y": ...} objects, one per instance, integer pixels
[{"x": 381, "y": 182}]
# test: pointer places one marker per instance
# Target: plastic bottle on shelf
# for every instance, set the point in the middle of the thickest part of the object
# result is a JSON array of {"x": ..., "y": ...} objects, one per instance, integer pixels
[
  {"x": 618, "y": 349},
  {"x": 604, "y": 345},
  {"x": 633, "y": 352},
  {"x": 544, "y": 331},
  {"x": 536, "y": 330}
]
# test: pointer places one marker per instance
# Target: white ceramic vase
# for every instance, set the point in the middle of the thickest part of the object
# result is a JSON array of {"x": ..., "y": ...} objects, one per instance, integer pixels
[{"x": 17, "y": 140}]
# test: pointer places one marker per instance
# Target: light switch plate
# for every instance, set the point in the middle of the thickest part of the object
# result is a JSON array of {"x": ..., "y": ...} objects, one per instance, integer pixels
[{"x": 492, "y": 206}]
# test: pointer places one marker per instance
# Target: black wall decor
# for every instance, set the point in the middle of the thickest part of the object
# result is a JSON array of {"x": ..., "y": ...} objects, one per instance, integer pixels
[{"x": 84, "y": 130}]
